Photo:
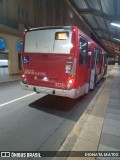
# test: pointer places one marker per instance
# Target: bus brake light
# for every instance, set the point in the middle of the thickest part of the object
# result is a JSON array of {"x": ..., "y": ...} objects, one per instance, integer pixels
[
  {"x": 70, "y": 81},
  {"x": 72, "y": 76},
  {"x": 105, "y": 65},
  {"x": 23, "y": 76}
]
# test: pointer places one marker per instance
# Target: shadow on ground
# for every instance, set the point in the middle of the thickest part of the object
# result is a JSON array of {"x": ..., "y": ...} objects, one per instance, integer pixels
[{"x": 65, "y": 107}]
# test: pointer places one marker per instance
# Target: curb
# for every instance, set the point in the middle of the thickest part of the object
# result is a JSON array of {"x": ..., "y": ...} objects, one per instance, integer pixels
[{"x": 6, "y": 81}]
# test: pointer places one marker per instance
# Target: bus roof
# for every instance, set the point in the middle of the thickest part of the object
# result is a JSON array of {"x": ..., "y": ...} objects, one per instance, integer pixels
[{"x": 48, "y": 27}]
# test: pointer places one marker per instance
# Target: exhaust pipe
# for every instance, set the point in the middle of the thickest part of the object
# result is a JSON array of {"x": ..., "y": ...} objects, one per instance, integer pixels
[
  {"x": 53, "y": 92},
  {"x": 35, "y": 90}
]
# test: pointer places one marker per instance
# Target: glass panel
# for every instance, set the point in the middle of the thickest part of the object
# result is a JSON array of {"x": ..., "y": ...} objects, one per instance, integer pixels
[
  {"x": 83, "y": 51},
  {"x": 48, "y": 41}
]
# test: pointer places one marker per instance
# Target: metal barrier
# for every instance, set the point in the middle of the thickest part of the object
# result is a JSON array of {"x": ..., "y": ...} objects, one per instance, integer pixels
[{"x": 4, "y": 71}]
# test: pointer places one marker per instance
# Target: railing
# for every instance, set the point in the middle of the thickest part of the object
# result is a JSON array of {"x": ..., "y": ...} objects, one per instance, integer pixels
[{"x": 3, "y": 71}]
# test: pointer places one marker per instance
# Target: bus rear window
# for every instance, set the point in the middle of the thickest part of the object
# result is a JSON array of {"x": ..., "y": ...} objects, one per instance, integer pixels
[
  {"x": 61, "y": 35},
  {"x": 48, "y": 41}
]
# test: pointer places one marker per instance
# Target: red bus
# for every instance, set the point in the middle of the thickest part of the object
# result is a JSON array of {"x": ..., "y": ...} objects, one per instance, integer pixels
[{"x": 60, "y": 60}]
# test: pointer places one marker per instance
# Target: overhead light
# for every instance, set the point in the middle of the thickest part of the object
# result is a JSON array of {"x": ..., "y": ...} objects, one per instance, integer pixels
[
  {"x": 115, "y": 24},
  {"x": 116, "y": 39}
]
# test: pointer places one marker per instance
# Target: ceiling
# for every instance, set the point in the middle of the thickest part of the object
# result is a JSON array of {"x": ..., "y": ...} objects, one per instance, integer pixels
[{"x": 98, "y": 14}]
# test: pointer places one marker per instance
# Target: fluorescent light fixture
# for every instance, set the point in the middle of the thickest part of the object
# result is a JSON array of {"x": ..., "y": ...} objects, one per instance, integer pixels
[
  {"x": 115, "y": 24},
  {"x": 116, "y": 39}
]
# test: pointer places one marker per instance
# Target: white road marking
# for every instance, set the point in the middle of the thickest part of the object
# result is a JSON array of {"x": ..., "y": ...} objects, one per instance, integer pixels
[{"x": 17, "y": 99}]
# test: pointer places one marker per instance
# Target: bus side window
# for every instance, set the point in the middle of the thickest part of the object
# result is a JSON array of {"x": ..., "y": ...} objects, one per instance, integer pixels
[
  {"x": 98, "y": 56},
  {"x": 83, "y": 51}
]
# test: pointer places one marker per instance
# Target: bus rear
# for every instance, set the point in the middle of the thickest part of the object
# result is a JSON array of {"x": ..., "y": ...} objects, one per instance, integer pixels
[{"x": 49, "y": 60}]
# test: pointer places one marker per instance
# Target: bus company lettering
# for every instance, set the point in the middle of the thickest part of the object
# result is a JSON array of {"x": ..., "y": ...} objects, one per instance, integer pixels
[
  {"x": 32, "y": 72},
  {"x": 60, "y": 85}
]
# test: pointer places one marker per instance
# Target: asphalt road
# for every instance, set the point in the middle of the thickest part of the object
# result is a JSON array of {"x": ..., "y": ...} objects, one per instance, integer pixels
[{"x": 37, "y": 122}]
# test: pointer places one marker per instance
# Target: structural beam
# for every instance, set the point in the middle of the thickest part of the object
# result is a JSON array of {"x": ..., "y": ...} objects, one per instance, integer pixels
[
  {"x": 96, "y": 13},
  {"x": 104, "y": 31}
]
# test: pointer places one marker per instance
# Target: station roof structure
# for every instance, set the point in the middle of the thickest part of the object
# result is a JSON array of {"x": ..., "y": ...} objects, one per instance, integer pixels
[{"x": 98, "y": 15}]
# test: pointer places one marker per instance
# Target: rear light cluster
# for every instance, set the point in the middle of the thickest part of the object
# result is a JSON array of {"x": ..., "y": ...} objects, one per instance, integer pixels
[
  {"x": 105, "y": 65},
  {"x": 24, "y": 79},
  {"x": 70, "y": 81}
]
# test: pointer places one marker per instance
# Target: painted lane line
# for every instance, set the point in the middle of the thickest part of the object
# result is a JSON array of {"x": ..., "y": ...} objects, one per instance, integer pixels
[{"x": 17, "y": 99}]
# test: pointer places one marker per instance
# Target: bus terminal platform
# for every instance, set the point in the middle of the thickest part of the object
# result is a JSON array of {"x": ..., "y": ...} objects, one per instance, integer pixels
[
  {"x": 9, "y": 78},
  {"x": 98, "y": 129}
]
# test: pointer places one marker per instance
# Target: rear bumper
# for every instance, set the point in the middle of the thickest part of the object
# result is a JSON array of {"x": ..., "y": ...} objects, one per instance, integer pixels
[{"x": 52, "y": 91}]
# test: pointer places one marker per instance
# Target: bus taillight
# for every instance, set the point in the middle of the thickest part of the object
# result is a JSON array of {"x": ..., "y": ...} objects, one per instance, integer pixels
[
  {"x": 105, "y": 65},
  {"x": 23, "y": 76},
  {"x": 72, "y": 76},
  {"x": 24, "y": 79},
  {"x": 70, "y": 81}
]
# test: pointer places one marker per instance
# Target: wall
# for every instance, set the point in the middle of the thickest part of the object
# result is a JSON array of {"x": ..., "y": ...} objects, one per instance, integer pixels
[
  {"x": 11, "y": 42},
  {"x": 34, "y": 13}
]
